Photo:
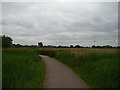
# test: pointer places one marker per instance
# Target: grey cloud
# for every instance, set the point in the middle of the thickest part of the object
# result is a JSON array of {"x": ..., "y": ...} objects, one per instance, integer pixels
[{"x": 59, "y": 21}]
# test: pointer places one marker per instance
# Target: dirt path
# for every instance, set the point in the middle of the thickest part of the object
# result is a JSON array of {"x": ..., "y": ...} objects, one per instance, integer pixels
[{"x": 60, "y": 76}]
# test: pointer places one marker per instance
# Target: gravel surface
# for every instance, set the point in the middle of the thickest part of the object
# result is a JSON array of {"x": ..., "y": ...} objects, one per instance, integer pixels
[{"x": 59, "y": 75}]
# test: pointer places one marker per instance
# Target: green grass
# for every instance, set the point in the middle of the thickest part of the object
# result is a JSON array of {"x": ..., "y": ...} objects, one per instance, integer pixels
[
  {"x": 0, "y": 68},
  {"x": 99, "y": 69},
  {"x": 22, "y": 68}
]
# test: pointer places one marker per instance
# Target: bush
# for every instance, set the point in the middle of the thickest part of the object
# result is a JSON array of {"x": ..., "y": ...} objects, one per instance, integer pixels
[{"x": 6, "y": 41}]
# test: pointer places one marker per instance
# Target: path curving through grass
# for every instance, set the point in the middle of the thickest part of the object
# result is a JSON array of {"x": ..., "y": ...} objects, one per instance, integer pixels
[{"x": 60, "y": 76}]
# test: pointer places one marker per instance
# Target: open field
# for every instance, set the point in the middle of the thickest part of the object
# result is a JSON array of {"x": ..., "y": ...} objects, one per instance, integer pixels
[
  {"x": 97, "y": 67},
  {"x": 22, "y": 68}
]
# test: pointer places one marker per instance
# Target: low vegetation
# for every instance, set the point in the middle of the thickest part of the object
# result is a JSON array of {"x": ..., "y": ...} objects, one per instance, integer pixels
[
  {"x": 97, "y": 67},
  {"x": 22, "y": 68}
]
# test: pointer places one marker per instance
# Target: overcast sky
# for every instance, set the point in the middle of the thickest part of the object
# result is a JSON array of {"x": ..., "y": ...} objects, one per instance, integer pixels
[{"x": 61, "y": 23}]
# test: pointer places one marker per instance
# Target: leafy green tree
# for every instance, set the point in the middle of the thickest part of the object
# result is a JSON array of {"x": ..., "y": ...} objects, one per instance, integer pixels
[{"x": 6, "y": 41}]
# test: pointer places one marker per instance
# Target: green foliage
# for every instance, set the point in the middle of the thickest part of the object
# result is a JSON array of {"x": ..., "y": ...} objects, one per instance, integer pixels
[
  {"x": 6, "y": 41},
  {"x": 98, "y": 69},
  {"x": 22, "y": 68}
]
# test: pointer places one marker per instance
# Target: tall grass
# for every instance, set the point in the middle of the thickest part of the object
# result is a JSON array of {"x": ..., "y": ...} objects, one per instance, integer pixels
[
  {"x": 98, "y": 68},
  {"x": 22, "y": 68},
  {"x": 0, "y": 62}
]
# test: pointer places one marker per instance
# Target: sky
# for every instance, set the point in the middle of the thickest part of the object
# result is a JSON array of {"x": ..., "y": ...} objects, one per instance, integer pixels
[{"x": 61, "y": 23}]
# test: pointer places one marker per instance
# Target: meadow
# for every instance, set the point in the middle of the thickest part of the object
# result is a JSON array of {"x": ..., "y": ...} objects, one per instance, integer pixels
[
  {"x": 97, "y": 67},
  {"x": 22, "y": 68}
]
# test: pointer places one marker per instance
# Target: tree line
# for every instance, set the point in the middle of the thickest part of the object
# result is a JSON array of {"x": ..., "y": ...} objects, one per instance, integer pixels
[{"x": 7, "y": 42}]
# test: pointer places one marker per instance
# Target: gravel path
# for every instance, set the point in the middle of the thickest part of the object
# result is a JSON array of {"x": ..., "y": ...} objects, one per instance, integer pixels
[{"x": 60, "y": 76}]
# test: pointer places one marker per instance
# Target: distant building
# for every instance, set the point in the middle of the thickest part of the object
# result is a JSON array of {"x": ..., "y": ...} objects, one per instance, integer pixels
[{"x": 40, "y": 44}]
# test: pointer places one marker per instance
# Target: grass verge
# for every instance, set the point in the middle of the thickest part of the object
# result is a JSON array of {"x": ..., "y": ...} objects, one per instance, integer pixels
[
  {"x": 22, "y": 68},
  {"x": 99, "y": 69}
]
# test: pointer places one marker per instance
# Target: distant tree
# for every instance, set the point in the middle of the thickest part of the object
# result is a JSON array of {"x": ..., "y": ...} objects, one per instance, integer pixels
[
  {"x": 18, "y": 45},
  {"x": 13, "y": 45},
  {"x": 118, "y": 46},
  {"x": 77, "y": 46},
  {"x": 6, "y": 41},
  {"x": 33, "y": 45},
  {"x": 107, "y": 46},
  {"x": 40, "y": 44},
  {"x": 93, "y": 46},
  {"x": 71, "y": 46},
  {"x": 59, "y": 46},
  {"x": 26, "y": 46}
]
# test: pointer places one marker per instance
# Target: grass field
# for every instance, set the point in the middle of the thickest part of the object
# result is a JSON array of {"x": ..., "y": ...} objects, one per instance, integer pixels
[
  {"x": 0, "y": 68},
  {"x": 97, "y": 67},
  {"x": 22, "y": 68}
]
